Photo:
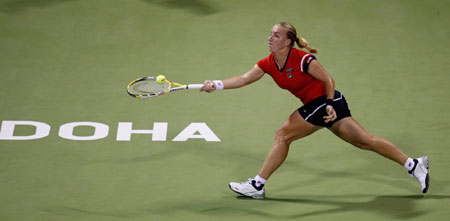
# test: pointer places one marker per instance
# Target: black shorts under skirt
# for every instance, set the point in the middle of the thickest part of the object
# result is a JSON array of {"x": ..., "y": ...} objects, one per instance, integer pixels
[{"x": 315, "y": 110}]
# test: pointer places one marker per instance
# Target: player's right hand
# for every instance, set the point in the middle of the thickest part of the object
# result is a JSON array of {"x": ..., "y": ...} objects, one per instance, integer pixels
[{"x": 208, "y": 86}]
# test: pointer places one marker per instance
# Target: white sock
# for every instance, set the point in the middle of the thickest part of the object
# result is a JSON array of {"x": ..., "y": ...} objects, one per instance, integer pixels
[
  {"x": 409, "y": 165},
  {"x": 259, "y": 181}
]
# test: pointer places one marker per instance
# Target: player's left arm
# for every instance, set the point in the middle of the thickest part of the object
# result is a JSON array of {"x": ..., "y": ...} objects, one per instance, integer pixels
[{"x": 317, "y": 71}]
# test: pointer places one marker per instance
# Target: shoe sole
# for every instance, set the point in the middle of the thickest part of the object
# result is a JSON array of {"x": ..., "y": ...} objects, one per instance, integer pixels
[
  {"x": 427, "y": 178},
  {"x": 254, "y": 197},
  {"x": 427, "y": 183}
]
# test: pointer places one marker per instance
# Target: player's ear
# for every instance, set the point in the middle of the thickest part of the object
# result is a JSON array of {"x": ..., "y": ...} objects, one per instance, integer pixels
[{"x": 288, "y": 42}]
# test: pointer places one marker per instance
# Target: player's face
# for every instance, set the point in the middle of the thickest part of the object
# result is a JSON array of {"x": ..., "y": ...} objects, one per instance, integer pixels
[{"x": 278, "y": 39}]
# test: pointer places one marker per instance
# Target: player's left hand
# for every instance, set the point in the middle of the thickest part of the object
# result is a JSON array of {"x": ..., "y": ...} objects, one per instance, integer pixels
[{"x": 331, "y": 114}]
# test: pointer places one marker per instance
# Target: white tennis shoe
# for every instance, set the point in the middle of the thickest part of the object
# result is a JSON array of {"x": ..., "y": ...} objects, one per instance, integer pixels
[
  {"x": 249, "y": 189},
  {"x": 420, "y": 172}
]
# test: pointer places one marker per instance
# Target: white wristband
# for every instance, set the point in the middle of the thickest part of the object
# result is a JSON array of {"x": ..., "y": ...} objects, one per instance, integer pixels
[{"x": 219, "y": 84}]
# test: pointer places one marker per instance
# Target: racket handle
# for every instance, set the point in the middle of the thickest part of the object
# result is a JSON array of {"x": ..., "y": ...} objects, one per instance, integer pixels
[{"x": 194, "y": 86}]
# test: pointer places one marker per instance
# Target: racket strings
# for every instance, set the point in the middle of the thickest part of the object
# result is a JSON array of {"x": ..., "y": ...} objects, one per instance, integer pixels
[{"x": 148, "y": 87}]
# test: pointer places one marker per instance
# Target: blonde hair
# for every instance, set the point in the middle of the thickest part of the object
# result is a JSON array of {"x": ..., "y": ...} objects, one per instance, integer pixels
[{"x": 292, "y": 35}]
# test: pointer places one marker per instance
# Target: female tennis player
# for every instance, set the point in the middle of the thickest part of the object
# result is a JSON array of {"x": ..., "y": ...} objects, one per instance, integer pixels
[{"x": 300, "y": 73}]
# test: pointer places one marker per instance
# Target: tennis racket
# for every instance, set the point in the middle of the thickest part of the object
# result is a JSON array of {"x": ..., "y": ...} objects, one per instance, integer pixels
[{"x": 147, "y": 87}]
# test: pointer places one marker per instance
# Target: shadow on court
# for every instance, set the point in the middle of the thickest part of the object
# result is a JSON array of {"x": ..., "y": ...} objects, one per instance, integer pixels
[
  {"x": 400, "y": 207},
  {"x": 198, "y": 7},
  {"x": 389, "y": 206},
  {"x": 15, "y": 6},
  {"x": 313, "y": 206}
]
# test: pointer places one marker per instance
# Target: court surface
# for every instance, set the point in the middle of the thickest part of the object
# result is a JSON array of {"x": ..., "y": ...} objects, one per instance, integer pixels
[{"x": 66, "y": 63}]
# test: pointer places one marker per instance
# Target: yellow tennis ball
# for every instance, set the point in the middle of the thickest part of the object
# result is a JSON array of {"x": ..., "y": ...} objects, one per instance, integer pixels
[{"x": 160, "y": 79}]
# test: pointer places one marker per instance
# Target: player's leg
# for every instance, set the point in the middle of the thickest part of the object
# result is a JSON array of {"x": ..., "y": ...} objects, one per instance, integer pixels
[
  {"x": 348, "y": 129},
  {"x": 351, "y": 131},
  {"x": 295, "y": 127}
]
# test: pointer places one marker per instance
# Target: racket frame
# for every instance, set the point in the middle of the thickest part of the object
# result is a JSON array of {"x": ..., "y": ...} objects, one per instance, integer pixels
[{"x": 173, "y": 86}]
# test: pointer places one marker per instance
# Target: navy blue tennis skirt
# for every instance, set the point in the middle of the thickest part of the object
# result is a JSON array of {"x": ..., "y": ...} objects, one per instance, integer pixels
[{"x": 315, "y": 110}]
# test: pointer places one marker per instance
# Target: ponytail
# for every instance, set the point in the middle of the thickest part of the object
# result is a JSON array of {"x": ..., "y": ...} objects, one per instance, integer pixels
[
  {"x": 302, "y": 43},
  {"x": 292, "y": 35}
]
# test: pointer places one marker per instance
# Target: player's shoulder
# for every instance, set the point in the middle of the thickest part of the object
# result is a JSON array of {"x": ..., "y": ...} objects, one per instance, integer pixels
[
  {"x": 266, "y": 60},
  {"x": 265, "y": 63},
  {"x": 299, "y": 52},
  {"x": 303, "y": 56}
]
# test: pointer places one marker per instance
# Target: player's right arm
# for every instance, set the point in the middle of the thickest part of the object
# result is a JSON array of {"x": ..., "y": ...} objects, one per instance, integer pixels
[{"x": 251, "y": 76}]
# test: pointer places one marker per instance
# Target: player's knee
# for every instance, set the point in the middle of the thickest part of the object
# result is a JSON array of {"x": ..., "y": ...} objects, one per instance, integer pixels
[
  {"x": 365, "y": 143},
  {"x": 282, "y": 136}
]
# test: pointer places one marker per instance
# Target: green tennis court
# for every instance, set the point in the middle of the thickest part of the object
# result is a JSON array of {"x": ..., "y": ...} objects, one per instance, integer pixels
[{"x": 75, "y": 146}]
